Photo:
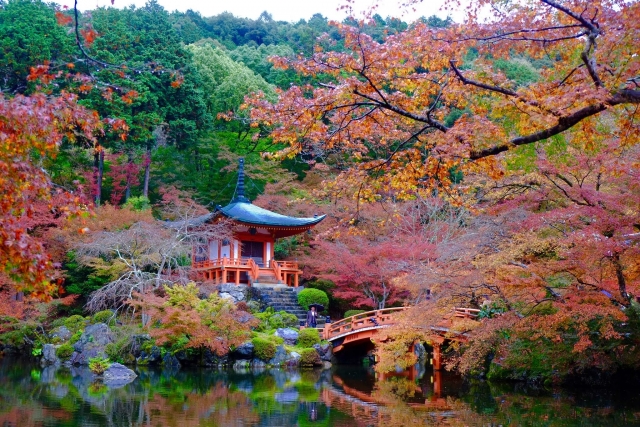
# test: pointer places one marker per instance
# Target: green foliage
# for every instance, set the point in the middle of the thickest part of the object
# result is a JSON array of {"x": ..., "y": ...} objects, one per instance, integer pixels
[
  {"x": 283, "y": 248},
  {"x": 269, "y": 319},
  {"x": 519, "y": 70},
  {"x": 81, "y": 279},
  {"x": 488, "y": 311},
  {"x": 308, "y": 337},
  {"x": 98, "y": 365},
  {"x": 350, "y": 313},
  {"x": 64, "y": 351},
  {"x": 105, "y": 316},
  {"x": 312, "y": 296},
  {"x": 309, "y": 357},
  {"x": 139, "y": 203},
  {"x": 36, "y": 352},
  {"x": 76, "y": 336},
  {"x": 29, "y": 36},
  {"x": 225, "y": 81},
  {"x": 75, "y": 323},
  {"x": 264, "y": 348}
]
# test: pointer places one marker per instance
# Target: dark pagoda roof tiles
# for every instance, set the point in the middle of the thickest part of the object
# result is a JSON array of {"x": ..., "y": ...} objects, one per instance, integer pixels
[{"x": 248, "y": 213}]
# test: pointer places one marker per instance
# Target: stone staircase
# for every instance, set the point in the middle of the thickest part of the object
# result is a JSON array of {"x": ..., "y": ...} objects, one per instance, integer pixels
[{"x": 285, "y": 298}]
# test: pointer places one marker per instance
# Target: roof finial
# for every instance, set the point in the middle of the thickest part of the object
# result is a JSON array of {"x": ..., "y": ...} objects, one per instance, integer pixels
[{"x": 240, "y": 186}]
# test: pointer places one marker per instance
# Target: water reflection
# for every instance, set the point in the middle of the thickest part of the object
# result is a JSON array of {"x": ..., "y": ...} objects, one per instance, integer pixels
[{"x": 345, "y": 396}]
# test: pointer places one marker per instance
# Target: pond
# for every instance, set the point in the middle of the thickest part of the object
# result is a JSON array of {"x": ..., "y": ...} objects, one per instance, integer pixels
[{"x": 31, "y": 396}]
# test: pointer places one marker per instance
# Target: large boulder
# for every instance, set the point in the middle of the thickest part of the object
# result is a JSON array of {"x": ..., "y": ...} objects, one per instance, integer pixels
[
  {"x": 118, "y": 375},
  {"x": 284, "y": 358},
  {"x": 91, "y": 344},
  {"x": 49, "y": 355},
  {"x": 154, "y": 357},
  {"x": 211, "y": 359},
  {"x": 289, "y": 335},
  {"x": 169, "y": 361},
  {"x": 325, "y": 351},
  {"x": 61, "y": 334},
  {"x": 233, "y": 292},
  {"x": 244, "y": 351}
]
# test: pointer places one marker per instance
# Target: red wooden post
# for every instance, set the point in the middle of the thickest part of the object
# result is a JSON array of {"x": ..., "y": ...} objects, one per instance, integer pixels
[{"x": 436, "y": 357}]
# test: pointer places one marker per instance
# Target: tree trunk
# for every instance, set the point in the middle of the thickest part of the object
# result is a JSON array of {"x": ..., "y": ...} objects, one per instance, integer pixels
[
  {"x": 98, "y": 161},
  {"x": 127, "y": 192},
  {"x": 147, "y": 171}
]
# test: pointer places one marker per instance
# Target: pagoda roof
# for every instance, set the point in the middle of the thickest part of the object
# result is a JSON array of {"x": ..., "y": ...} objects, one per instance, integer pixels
[{"x": 247, "y": 213}]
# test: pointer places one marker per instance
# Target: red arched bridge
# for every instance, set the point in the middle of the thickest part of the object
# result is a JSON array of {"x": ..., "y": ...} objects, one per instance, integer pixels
[{"x": 363, "y": 326}]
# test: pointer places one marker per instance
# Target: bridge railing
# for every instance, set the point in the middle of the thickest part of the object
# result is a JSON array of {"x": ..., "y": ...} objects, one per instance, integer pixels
[{"x": 367, "y": 319}]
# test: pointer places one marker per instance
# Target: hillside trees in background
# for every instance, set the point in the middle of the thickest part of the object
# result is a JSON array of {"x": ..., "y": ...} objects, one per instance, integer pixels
[{"x": 30, "y": 36}]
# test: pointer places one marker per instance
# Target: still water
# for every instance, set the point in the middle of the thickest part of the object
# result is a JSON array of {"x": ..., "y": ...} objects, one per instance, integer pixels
[{"x": 31, "y": 396}]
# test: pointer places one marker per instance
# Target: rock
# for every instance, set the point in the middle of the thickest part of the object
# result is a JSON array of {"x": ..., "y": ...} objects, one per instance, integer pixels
[
  {"x": 118, "y": 375},
  {"x": 170, "y": 362},
  {"x": 287, "y": 396},
  {"x": 254, "y": 306},
  {"x": 294, "y": 359},
  {"x": 280, "y": 357},
  {"x": 258, "y": 364},
  {"x": 49, "y": 355},
  {"x": 61, "y": 334},
  {"x": 326, "y": 365},
  {"x": 420, "y": 352},
  {"x": 244, "y": 317},
  {"x": 244, "y": 350},
  {"x": 91, "y": 344},
  {"x": 211, "y": 359},
  {"x": 325, "y": 351},
  {"x": 289, "y": 335},
  {"x": 153, "y": 358},
  {"x": 233, "y": 292}
]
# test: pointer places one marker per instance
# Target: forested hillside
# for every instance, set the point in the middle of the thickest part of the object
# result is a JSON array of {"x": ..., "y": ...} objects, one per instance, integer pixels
[{"x": 493, "y": 164}]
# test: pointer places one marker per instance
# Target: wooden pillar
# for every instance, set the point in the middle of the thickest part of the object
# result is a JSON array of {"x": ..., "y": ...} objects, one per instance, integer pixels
[
  {"x": 237, "y": 277},
  {"x": 436, "y": 361},
  {"x": 284, "y": 278},
  {"x": 437, "y": 384},
  {"x": 224, "y": 276},
  {"x": 295, "y": 280}
]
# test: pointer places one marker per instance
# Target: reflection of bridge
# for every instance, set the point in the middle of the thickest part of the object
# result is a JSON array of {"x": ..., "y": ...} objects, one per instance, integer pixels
[
  {"x": 362, "y": 327},
  {"x": 364, "y": 406}
]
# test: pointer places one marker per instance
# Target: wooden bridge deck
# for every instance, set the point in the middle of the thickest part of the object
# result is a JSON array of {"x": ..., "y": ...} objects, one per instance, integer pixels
[{"x": 365, "y": 325}]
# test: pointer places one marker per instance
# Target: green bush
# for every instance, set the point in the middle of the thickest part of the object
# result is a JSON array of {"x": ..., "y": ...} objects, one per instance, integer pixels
[
  {"x": 104, "y": 316},
  {"x": 308, "y": 337},
  {"x": 64, "y": 351},
  {"x": 263, "y": 348},
  {"x": 75, "y": 323},
  {"x": 350, "y": 313},
  {"x": 76, "y": 336},
  {"x": 272, "y": 320},
  {"x": 309, "y": 357},
  {"x": 98, "y": 365},
  {"x": 312, "y": 296}
]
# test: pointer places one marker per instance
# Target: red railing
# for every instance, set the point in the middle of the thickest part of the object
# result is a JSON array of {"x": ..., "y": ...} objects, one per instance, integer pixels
[{"x": 364, "y": 320}]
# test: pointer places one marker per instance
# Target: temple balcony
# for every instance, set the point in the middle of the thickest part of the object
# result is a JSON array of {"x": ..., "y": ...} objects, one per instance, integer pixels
[{"x": 249, "y": 271}]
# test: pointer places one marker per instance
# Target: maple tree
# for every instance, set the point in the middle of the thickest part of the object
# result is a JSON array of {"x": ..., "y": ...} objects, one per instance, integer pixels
[
  {"x": 429, "y": 101},
  {"x": 32, "y": 129}
]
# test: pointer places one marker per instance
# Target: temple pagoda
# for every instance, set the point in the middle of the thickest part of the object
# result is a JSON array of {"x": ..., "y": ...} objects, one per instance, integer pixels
[{"x": 249, "y": 257}]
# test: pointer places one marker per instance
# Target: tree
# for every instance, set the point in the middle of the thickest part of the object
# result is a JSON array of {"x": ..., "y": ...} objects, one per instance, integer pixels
[
  {"x": 387, "y": 104},
  {"x": 32, "y": 129}
]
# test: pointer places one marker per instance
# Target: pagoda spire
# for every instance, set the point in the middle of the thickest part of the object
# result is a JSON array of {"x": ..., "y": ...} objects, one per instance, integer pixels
[{"x": 240, "y": 197}]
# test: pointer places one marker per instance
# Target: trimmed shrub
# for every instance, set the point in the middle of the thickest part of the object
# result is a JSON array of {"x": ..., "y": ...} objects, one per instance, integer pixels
[
  {"x": 64, "y": 351},
  {"x": 308, "y": 337},
  {"x": 272, "y": 320},
  {"x": 76, "y": 336},
  {"x": 103, "y": 317},
  {"x": 263, "y": 348},
  {"x": 350, "y": 313},
  {"x": 309, "y": 357},
  {"x": 312, "y": 296},
  {"x": 75, "y": 323},
  {"x": 98, "y": 365}
]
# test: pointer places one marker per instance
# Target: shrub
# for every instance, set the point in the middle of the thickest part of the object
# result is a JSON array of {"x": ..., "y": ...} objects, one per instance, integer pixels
[
  {"x": 312, "y": 296},
  {"x": 350, "y": 313},
  {"x": 98, "y": 365},
  {"x": 309, "y": 357},
  {"x": 272, "y": 320},
  {"x": 64, "y": 351},
  {"x": 243, "y": 306},
  {"x": 75, "y": 323},
  {"x": 76, "y": 336},
  {"x": 104, "y": 316},
  {"x": 263, "y": 348},
  {"x": 308, "y": 337}
]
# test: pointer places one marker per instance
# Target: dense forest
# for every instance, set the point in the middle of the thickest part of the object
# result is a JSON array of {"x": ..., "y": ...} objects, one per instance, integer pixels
[{"x": 493, "y": 164}]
